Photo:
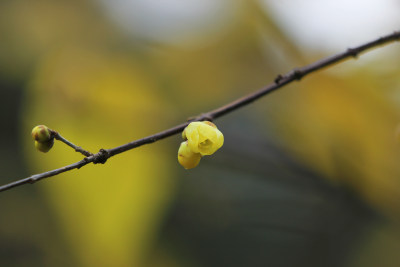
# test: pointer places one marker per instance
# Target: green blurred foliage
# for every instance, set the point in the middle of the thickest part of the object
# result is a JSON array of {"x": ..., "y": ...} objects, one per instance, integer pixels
[{"x": 67, "y": 66}]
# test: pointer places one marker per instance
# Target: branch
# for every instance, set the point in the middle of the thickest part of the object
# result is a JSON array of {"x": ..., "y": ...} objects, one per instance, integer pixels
[
  {"x": 68, "y": 143},
  {"x": 280, "y": 81}
]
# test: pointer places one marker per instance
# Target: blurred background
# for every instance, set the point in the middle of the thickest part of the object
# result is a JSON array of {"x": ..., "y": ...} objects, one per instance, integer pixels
[{"x": 308, "y": 176}]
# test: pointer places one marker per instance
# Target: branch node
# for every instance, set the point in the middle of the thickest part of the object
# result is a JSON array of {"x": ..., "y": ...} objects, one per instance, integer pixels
[
  {"x": 278, "y": 78},
  {"x": 353, "y": 52},
  {"x": 101, "y": 156},
  {"x": 297, "y": 74},
  {"x": 82, "y": 151},
  {"x": 33, "y": 179},
  {"x": 53, "y": 134}
]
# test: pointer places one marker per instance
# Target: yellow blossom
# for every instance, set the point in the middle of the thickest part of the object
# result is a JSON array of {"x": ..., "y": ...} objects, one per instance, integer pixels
[{"x": 203, "y": 137}]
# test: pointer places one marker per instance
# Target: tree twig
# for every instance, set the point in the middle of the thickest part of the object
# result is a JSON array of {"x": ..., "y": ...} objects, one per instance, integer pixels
[
  {"x": 280, "y": 81},
  {"x": 79, "y": 149}
]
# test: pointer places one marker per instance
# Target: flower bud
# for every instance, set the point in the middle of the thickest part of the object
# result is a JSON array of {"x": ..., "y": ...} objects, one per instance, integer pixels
[
  {"x": 203, "y": 137},
  {"x": 41, "y": 133},
  {"x": 44, "y": 146},
  {"x": 186, "y": 157}
]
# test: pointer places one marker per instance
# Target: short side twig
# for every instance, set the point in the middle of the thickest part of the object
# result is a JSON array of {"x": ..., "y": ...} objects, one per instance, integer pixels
[
  {"x": 280, "y": 81},
  {"x": 79, "y": 149}
]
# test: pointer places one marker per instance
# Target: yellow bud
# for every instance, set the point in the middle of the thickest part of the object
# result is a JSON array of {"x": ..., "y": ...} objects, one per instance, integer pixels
[
  {"x": 203, "y": 137},
  {"x": 44, "y": 146},
  {"x": 186, "y": 157},
  {"x": 41, "y": 133}
]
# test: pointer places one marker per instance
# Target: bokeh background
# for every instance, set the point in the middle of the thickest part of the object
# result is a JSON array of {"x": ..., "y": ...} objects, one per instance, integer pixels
[{"x": 308, "y": 176}]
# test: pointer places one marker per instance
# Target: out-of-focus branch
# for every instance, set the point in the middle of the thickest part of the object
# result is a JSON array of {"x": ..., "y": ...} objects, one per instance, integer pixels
[{"x": 280, "y": 81}]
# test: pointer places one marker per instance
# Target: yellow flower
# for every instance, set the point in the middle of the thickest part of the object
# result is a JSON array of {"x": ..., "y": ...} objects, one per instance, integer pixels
[
  {"x": 203, "y": 137},
  {"x": 186, "y": 157}
]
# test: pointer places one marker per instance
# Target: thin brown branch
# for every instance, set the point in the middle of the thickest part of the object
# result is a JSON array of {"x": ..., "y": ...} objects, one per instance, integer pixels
[
  {"x": 37, "y": 177},
  {"x": 280, "y": 81},
  {"x": 79, "y": 149}
]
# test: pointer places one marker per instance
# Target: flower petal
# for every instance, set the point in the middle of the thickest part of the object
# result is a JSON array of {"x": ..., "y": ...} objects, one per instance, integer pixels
[
  {"x": 203, "y": 137},
  {"x": 193, "y": 140},
  {"x": 186, "y": 157}
]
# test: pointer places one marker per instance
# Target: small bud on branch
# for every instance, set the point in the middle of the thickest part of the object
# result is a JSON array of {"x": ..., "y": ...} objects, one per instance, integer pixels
[{"x": 202, "y": 139}]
